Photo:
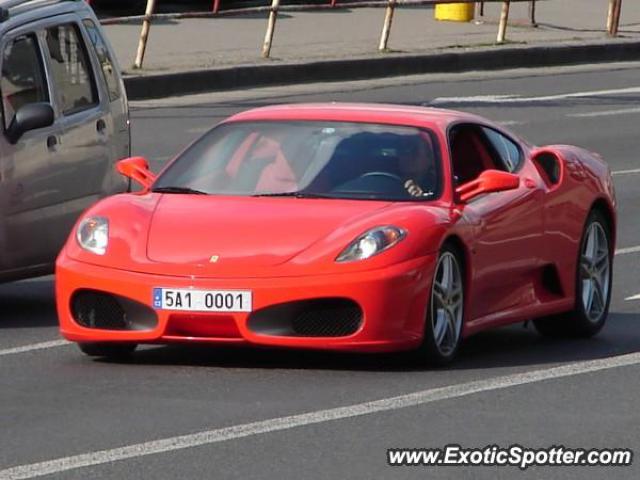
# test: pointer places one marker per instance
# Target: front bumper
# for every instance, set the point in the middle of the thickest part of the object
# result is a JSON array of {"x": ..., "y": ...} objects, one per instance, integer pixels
[{"x": 393, "y": 303}]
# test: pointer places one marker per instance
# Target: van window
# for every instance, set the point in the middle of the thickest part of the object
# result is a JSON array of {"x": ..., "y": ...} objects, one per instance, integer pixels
[
  {"x": 71, "y": 69},
  {"x": 106, "y": 64},
  {"x": 23, "y": 80}
]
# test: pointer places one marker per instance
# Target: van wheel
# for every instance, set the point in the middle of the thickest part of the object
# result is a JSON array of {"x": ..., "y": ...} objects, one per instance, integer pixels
[{"x": 593, "y": 285}]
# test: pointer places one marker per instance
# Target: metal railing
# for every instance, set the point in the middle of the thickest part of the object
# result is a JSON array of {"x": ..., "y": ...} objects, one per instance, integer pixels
[{"x": 612, "y": 24}]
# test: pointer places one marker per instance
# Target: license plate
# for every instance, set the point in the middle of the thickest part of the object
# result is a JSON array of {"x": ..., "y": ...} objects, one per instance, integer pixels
[{"x": 202, "y": 300}]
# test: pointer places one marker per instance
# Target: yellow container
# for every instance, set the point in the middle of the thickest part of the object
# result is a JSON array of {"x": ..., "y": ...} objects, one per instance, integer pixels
[{"x": 455, "y": 12}]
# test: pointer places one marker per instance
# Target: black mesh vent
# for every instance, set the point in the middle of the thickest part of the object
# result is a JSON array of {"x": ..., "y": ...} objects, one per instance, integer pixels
[
  {"x": 98, "y": 310},
  {"x": 328, "y": 321}
]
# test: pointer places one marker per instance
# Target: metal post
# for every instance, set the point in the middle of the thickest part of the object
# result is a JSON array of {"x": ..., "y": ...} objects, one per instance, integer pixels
[
  {"x": 612, "y": 5},
  {"x": 532, "y": 13},
  {"x": 268, "y": 38},
  {"x": 216, "y": 6},
  {"x": 144, "y": 34},
  {"x": 504, "y": 19},
  {"x": 386, "y": 27},
  {"x": 616, "y": 17}
]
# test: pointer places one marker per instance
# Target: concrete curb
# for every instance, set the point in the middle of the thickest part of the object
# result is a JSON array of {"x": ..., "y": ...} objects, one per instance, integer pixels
[{"x": 142, "y": 87}]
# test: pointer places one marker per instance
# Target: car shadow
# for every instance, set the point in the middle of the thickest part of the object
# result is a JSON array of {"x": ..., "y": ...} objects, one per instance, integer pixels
[
  {"x": 513, "y": 346},
  {"x": 28, "y": 304}
]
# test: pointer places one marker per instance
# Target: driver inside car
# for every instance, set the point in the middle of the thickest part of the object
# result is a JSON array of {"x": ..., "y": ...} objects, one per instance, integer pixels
[{"x": 417, "y": 169}]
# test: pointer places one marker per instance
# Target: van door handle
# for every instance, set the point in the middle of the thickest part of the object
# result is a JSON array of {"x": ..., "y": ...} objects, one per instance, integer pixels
[
  {"x": 52, "y": 142},
  {"x": 101, "y": 126}
]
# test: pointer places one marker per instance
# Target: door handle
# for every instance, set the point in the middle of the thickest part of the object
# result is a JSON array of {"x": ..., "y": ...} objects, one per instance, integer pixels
[
  {"x": 101, "y": 126},
  {"x": 52, "y": 142}
]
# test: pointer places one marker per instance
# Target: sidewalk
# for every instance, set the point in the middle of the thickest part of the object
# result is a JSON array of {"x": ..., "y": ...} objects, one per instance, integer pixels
[{"x": 339, "y": 34}]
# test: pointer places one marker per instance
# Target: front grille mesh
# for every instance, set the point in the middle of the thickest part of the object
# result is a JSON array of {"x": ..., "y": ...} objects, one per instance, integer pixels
[
  {"x": 98, "y": 310},
  {"x": 328, "y": 321}
]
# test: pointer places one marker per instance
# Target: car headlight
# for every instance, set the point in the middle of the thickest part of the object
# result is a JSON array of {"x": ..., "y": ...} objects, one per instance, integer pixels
[
  {"x": 93, "y": 234},
  {"x": 371, "y": 243}
]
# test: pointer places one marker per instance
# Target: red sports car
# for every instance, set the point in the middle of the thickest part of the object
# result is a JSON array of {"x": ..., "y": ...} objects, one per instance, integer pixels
[{"x": 355, "y": 227}]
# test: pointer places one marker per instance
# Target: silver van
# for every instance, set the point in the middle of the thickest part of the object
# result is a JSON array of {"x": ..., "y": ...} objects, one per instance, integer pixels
[{"x": 64, "y": 121}]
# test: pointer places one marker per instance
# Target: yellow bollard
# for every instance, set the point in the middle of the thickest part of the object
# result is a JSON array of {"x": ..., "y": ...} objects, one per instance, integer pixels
[{"x": 454, "y": 12}]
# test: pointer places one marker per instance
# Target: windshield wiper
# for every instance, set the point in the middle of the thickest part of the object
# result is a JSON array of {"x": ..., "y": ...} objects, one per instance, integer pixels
[
  {"x": 293, "y": 194},
  {"x": 186, "y": 190}
]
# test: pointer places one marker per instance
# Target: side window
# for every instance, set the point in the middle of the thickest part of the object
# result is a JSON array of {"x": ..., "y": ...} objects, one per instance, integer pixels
[
  {"x": 106, "y": 64},
  {"x": 23, "y": 80},
  {"x": 71, "y": 69},
  {"x": 507, "y": 149},
  {"x": 471, "y": 153}
]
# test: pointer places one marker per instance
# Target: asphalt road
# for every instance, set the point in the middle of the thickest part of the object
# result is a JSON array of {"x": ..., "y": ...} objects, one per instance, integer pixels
[{"x": 56, "y": 403}]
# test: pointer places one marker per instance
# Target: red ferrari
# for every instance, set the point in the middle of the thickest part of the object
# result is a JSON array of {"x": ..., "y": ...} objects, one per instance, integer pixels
[{"x": 356, "y": 227}]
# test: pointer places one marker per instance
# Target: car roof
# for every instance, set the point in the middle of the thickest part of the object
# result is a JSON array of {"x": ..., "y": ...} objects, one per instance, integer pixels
[
  {"x": 409, "y": 115},
  {"x": 24, "y": 11}
]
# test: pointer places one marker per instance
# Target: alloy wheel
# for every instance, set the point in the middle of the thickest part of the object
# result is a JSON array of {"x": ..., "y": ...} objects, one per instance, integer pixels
[{"x": 447, "y": 300}]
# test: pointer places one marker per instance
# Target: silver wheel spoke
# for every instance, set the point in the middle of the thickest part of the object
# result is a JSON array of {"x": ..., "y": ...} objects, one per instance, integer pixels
[
  {"x": 590, "y": 249},
  {"x": 440, "y": 327}
]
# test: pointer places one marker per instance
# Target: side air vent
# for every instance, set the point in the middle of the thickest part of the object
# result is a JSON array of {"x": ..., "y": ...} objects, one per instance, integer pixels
[{"x": 549, "y": 167}]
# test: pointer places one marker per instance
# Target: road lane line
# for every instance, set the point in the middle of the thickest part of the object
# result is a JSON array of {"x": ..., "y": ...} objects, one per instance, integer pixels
[
  {"x": 628, "y": 250},
  {"x": 502, "y": 99},
  {"x": 632, "y": 297},
  {"x": 510, "y": 123},
  {"x": 626, "y": 172},
  {"x": 218, "y": 435},
  {"x": 605, "y": 113},
  {"x": 34, "y": 346}
]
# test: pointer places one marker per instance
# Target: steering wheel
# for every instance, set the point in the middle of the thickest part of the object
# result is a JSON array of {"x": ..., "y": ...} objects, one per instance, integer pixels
[{"x": 382, "y": 174}]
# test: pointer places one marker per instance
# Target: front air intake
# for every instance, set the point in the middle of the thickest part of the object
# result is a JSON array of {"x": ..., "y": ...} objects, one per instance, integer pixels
[
  {"x": 98, "y": 310},
  {"x": 321, "y": 317},
  {"x": 105, "y": 311}
]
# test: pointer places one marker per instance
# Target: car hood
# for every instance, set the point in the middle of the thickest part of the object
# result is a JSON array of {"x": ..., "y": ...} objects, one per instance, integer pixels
[{"x": 227, "y": 235}]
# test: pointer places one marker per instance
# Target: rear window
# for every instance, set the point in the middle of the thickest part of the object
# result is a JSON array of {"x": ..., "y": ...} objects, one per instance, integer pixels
[
  {"x": 327, "y": 159},
  {"x": 107, "y": 66}
]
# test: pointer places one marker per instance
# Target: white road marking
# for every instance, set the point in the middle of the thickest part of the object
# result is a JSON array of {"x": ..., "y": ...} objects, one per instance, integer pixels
[
  {"x": 628, "y": 250},
  {"x": 34, "y": 346},
  {"x": 501, "y": 99},
  {"x": 633, "y": 297},
  {"x": 218, "y": 435},
  {"x": 508, "y": 123},
  {"x": 199, "y": 129},
  {"x": 626, "y": 172},
  {"x": 605, "y": 113}
]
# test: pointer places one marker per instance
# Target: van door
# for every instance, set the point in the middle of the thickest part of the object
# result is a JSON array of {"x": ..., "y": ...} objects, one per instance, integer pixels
[
  {"x": 86, "y": 121},
  {"x": 113, "y": 90},
  {"x": 25, "y": 178}
]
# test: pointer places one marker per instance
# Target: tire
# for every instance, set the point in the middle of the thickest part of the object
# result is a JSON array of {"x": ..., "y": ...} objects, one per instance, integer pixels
[
  {"x": 445, "y": 312},
  {"x": 594, "y": 268},
  {"x": 114, "y": 351}
]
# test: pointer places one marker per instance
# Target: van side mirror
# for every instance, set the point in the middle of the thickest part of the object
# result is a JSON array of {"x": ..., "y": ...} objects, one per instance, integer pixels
[
  {"x": 488, "y": 181},
  {"x": 137, "y": 169},
  {"x": 30, "y": 117}
]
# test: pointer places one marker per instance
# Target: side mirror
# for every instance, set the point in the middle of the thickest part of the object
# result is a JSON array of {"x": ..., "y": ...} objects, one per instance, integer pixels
[
  {"x": 489, "y": 181},
  {"x": 137, "y": 169},
  {"x": 29, "y": 117}
]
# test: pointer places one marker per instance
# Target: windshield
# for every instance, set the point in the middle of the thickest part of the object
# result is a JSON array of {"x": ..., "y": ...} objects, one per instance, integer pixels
[{"x": 309, "y": 159}]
